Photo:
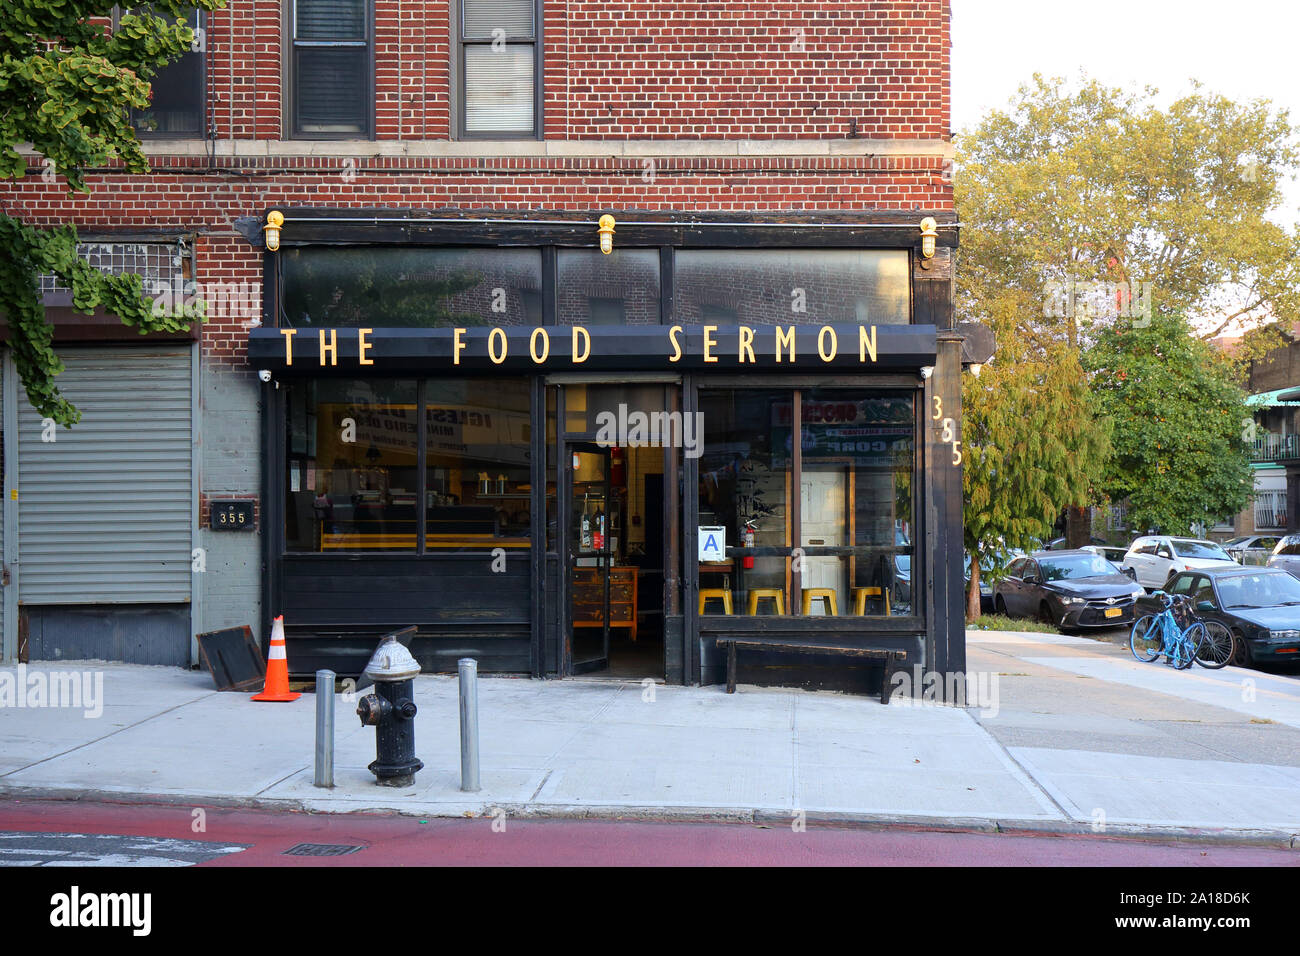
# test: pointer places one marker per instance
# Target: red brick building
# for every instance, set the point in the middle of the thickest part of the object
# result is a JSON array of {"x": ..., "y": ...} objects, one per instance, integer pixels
[{"x": 441, "y": 165}]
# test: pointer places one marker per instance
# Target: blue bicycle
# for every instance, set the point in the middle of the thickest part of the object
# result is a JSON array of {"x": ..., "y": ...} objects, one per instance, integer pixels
[{"x": 1157, "y": 634}]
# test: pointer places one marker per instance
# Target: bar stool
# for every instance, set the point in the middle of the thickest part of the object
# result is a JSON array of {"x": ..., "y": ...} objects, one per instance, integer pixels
[
  {"x": 776, "y": 595},
  {"x": 860, "y": 596},
  {"x": 825, "y": 595},
  {"x": 717, "y": 594}
]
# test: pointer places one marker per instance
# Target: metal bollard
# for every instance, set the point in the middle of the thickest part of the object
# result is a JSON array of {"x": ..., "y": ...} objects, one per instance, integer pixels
[
  {"x": 324, "y": 728},
  {"x": 468, "y": 670}
]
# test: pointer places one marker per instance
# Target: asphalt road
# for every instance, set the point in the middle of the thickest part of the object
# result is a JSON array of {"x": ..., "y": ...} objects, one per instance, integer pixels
[{"x": 63, "y": 833}]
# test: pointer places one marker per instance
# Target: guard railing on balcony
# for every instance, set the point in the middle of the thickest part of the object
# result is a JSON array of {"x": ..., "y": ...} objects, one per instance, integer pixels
[
  {"x": 1275, "y": 448},
  {"x": 1270, "y": 510}
]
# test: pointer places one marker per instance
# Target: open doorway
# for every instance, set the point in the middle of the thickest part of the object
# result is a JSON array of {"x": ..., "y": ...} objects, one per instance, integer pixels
[{"x": 614, "y": 533}]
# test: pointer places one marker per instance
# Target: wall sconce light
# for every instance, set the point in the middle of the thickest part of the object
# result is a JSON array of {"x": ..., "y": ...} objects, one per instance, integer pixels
[
  {"x": 274, "y": 223},
  {"x": 606, "y": 232},
  {"x": 929, "y": 233}
]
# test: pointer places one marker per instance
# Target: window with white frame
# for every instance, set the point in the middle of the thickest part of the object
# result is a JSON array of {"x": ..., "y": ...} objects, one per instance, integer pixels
[{"x": 500, "y": 62}]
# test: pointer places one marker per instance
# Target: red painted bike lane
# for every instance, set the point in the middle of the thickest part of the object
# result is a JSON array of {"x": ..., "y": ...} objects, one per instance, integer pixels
[{"x": 395, "y": 840}]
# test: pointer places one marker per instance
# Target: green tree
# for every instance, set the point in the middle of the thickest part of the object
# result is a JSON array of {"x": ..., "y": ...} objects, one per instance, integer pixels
[
  {"x": 1180, "y": 454},
  {"x": 1093, "y": 185},
  {"x": 67, "y": 85},
  {"x": 1035, "y": 440}
]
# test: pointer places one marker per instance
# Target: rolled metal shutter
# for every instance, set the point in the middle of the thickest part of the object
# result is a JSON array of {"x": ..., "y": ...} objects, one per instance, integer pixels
[{"x": 105, "y": 510}]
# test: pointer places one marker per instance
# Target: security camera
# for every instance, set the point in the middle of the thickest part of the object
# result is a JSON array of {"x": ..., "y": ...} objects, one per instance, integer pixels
[
  {"x": 927, "y": 371},
  {"x": 264, "y": 375}
]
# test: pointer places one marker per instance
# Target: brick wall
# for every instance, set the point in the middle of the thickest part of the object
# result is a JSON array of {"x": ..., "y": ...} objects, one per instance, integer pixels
[
  {"x": 767, "y": 74},
  {"x": 634, "y": 69}
]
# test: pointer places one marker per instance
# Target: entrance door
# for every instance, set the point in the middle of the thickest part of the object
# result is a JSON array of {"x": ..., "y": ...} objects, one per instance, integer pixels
[
  {"x": 590, "y": 555},
  {"x": 823, "y": 509}
]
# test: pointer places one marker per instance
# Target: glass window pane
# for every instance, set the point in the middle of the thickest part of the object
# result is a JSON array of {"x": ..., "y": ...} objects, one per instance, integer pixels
[
  {"x": 745, "y": 484},
  {"x": 621, "y": 288},
  {"x": 175, "y": 96},
  {"x": 331, "y": 88},
  {"x": 791, "y": 286},
  {"x": 499, "y": 88},
  {"x": 330, "y": 20},
  {"x": 858, "y": 445},
  {"x": 478, "y": 484},
  {"x": 383, "y": 287},
  {"x": 351, "y": 462},
  {"x": 513, "y": 17}
]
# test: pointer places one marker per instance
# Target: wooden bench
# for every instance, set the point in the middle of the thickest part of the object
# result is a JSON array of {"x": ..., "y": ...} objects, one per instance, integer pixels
[{"x": 889, "y": 659}]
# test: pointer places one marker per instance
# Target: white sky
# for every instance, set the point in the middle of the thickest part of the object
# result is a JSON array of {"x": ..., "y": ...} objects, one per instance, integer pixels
[{"x": 1242, "y": 50}]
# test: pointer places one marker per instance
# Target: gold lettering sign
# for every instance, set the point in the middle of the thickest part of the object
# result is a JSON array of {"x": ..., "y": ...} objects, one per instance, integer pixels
[
  {"x": 539, "y": 344},
  {"x": 785, "y": 339},
  {"x": 331, "y": 349},
  {"x": 288, "y": 344}
]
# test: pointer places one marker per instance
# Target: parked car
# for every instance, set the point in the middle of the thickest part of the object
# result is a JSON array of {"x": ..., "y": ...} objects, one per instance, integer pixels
[
  {"x": 1261, "y": 606},
  {"x": 1153, "y": 558},
  {"x": 1286, "y": 555},
  {"x": 1067, "y": 588},
  {"x": 1252, "y": 549},
  {"x": 1114, "y": 555},
  {"x": 1058, "y": 544}
]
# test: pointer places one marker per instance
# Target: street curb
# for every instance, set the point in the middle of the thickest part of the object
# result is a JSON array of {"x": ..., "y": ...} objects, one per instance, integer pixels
[{"x": 767, "y": 818}]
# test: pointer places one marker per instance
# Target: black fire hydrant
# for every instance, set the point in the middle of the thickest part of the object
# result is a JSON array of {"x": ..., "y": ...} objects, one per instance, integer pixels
[{"x": 391, "y": 711}]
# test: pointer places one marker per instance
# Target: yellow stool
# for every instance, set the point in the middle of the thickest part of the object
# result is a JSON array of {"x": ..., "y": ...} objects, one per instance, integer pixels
[
  {"x": 825, "y": 595},
  {"x": 777, "y": 595},
  {"x": 860, "y": 596},
  {"x": 719, "y": 594}
]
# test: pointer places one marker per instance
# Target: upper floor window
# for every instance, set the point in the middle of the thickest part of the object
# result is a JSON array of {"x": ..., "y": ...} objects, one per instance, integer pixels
[
  {"x": 331, "y": 88},
  {"x": 176, "y": 95},
  {"x": 500, "y": 62}
]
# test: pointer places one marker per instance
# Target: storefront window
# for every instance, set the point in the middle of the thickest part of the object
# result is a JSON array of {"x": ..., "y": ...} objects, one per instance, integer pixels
[
  {"x": 844, "y": 546},
  {"x": 353, "y": 463},
  {"x": 352, "y": 469},
  {"x": 403, "y": 287},
  {"x": 621, "y": 288},
  {"x": 745, "y": 474},
  {"x": 479, "y": 486},
  {"x": 791, "y": 286}
]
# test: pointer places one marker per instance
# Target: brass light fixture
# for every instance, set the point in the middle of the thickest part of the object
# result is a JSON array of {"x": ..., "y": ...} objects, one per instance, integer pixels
[
  {"x": 929, "y": 233},
  {"x": 606, "y": 232},
  {"x": 274, "y": 223}
]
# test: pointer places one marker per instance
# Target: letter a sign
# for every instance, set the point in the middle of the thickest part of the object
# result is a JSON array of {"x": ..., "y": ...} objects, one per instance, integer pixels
[{"x": 713, "y": 543}]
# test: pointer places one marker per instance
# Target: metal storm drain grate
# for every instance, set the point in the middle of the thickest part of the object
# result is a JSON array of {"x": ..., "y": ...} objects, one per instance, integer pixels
[{"x": 321, "y": 849}]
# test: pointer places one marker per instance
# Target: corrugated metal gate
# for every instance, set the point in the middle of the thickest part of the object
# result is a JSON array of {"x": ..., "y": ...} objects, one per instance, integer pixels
[{"x": 105, "y": 509}]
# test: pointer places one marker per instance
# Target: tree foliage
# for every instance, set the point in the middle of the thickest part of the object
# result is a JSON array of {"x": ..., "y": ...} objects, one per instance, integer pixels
[
  {"x": 1035, "y": 440},
  {"x": 1180, "y": 454},
  {"x": 1091, "y": 184},
  {"x": 67, "y": 85}
]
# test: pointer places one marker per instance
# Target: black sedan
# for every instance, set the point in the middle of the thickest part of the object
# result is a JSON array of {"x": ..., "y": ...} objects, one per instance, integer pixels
[
  {"x": 1261, "y": 606},
  {"x": 1067, "y": 588}
]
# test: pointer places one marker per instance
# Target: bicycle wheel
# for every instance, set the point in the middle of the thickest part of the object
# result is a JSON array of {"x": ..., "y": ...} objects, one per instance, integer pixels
[
  {"x": 1144, "y": 641},
  {"x": 1216, "y": 646},
  {"x": 1188, "y": 646}
]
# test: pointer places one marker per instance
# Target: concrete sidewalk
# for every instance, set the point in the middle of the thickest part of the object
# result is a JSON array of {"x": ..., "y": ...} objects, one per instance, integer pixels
[{"x": 1074, "y": 745}]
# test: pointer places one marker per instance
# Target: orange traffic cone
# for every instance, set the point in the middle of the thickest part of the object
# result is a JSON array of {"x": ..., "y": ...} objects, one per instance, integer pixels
[{"x": 277, "y": 667}]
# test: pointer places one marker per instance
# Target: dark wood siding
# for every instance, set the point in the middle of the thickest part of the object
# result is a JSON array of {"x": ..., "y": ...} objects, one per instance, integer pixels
[{"x": 336, "y": 606}]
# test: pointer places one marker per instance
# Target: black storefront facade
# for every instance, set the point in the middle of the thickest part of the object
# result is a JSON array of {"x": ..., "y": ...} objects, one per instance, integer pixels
[{"x": 561, "y": 461}]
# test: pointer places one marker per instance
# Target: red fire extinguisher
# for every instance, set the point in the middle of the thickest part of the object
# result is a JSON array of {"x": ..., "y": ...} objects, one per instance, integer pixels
[{"x": 747, "y": 562}]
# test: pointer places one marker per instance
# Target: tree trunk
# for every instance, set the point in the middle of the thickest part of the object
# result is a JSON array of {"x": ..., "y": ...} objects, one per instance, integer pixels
[
  {"x": 973, "y": 609},
  {"x": 1078, "y": 527}
]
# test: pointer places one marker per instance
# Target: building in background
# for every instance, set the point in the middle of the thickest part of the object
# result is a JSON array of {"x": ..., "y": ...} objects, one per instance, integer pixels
[{"x": 370, "y": 431}]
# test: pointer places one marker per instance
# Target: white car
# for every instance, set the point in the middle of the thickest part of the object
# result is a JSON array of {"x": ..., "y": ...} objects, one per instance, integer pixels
[{"x": 1155, "y": 557}]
